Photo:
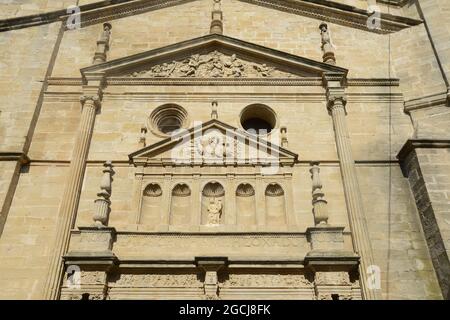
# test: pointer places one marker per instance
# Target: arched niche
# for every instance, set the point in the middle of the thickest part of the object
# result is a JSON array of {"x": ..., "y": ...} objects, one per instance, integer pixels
[
  {"x": 180, "y": 206},
  {"x": 245, "y": 204},
  {"x": 275, "y": 205},
  {"x": 213, "y": 204},
  {"x": 151, "y": 205}
]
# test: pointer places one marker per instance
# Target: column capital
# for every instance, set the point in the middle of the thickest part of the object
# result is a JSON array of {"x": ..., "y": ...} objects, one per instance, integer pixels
[
  {"x": 336, "y": 97},
  {"x": 94, "y": 98}
]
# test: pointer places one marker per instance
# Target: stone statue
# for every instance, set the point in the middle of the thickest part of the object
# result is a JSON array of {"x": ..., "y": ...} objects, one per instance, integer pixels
[
  {"x": 327, "y": 47},
  {"x": 214, "y": 211}
]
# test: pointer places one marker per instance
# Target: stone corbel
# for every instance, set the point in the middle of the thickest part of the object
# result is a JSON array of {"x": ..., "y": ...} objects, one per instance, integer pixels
[{"x": 211, "y": 267}]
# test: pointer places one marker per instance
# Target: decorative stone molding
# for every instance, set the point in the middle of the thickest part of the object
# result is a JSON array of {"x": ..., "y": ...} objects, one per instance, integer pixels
[
  {"x": 332, "y": 278},
  {"x": 94, "y": 13},
  {"x": 441, "y": 99},
  {"x": 14, "y": 156},
  {"x": 266, "y": 280},
  {"x": 175, "y": 280}
]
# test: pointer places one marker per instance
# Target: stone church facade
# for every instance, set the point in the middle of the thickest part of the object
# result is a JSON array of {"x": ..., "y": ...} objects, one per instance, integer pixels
[{"x": 224, "y": 149}]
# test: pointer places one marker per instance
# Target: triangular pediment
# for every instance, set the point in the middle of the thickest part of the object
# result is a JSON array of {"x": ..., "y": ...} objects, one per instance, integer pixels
[
  {"x": 214, "y": 56},
  {"x": 215, "y": 143}
]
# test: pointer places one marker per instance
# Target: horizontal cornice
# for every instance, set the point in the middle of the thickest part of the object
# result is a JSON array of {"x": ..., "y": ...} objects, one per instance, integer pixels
[
  {"x": 124, "y": 81},
  {"x": 413, "y": 144},
  {"x": 14, "y": 156},
  {"x": 440, "y": 99},
  {"x": 319, "y": 9}
]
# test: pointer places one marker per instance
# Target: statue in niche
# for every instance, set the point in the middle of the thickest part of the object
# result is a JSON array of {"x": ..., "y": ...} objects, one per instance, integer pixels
[{"x": 214, "y": 211}]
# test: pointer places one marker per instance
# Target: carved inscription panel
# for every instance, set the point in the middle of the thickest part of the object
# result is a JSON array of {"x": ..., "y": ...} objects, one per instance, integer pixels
[{"x": 175, "y": 246}]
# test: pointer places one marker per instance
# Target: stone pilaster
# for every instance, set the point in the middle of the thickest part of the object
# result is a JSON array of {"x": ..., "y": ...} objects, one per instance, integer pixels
[
  {"x": 90, "y": 102},
  {"x": 425, "y": 163},
  {"x": 336, "y": 100}
]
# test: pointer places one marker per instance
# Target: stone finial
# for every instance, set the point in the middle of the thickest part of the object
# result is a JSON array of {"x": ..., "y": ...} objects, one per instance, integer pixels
[
  {"x": 327, "y": 47},
  {"x": 142, "y": 137},
  {"x": 103, "y": 44},
  {"x": 216, "y": 16},
  {"x": 214, "y": 107},
  {"x": 284, "y": 140},
  {"x": 102, "y": 203},
  {"x": 319, "y": 202}
]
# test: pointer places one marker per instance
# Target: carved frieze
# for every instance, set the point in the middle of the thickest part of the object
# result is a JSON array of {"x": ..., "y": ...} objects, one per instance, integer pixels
[
  {"x": 332, "y": 278},
  {"x": 212, "y": 65},
  {"x": 158, "y": 280},
  {"x": 266, "y": 280}
]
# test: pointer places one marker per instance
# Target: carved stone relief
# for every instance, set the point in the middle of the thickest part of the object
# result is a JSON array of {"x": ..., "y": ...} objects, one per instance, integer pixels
[
  {"x": 266, "y": 280},
  {"x": 158, "y": 280},
  {"x": 332, "y": 278},
  {"x": 212, "y": 65}
]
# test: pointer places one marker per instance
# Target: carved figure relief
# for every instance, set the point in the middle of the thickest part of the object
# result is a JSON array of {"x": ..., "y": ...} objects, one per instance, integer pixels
[{"x": 212, "y": 65}]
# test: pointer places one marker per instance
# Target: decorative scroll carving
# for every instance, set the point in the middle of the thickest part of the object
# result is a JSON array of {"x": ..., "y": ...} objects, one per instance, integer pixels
[
  {"x": 212, "y": 65},
  {"x": 266, "y": 280},
  {"x": 158, "y": 280}
]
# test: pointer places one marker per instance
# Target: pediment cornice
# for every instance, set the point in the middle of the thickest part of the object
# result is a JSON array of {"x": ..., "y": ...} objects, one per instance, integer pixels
[
  {"x": 214, "y": 57},
  {"x": 189, "y": 148}
]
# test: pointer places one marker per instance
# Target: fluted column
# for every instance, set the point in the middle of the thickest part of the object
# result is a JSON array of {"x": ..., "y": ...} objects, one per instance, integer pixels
[
  {"x": 70, "y": 200},
  {"x": 360, "y": 236}
]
